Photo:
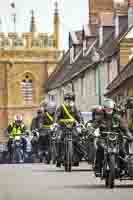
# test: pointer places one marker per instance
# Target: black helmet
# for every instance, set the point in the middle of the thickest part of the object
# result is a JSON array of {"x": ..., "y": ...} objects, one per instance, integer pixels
[
  {"x": 69, "y": 96},
  {"x": 27, "y": 133},
  {"x": 40, "y": 111},
  {"x": 129, "y": 104}
]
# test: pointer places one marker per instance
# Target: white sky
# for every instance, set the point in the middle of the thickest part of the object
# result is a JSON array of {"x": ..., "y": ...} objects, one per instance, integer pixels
[{"x": 73, "y": 14}]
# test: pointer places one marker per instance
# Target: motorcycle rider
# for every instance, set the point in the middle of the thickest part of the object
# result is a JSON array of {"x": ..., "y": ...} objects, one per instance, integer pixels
[
  {"x": 46, "y": 124},
  {"x": 66, "y": 112},
  {"x": 15, "y": 128},
  {"x": 107, "y": 118},
  {"x": 34, "y": 143},
  {"x": 37, "y": 119}
]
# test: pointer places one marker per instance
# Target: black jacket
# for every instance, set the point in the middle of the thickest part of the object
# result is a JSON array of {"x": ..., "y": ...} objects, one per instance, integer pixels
[{"x": 36, "y": 121}]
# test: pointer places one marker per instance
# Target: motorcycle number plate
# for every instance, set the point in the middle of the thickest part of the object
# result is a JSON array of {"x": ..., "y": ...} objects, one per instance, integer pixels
[
  {"x": 17, "y": 143},
  {"x": 112, "y": 150}
]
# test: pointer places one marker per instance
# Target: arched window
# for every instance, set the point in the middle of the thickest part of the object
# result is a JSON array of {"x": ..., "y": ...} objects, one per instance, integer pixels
[
  {"x": 18, "y": 42},
  {"x": 50, "y": 42},
  {"x": 27, "y": 88}
]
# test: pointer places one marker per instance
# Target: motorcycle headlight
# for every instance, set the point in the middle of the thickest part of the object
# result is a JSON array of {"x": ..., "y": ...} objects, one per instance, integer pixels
[
  {"x": 112, "y": 137},
  {"x": 79, "y": 129},
  {"x": 69, "y": 125},
  {"x": 17, "y": 138},
  {"x": 51, "y": 128}
]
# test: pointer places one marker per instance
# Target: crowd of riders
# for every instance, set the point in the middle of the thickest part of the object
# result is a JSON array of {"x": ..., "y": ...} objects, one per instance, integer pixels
[
  {"x": 48, "y": 117},
  {"x": 36, "y": 144}
]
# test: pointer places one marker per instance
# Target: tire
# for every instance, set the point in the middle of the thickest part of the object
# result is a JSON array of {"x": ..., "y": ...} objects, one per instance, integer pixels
[
  {"x": 48, "y": 157},
  {"x": 54, "y": 154},
  {"x": 69, "y": 161},
  {"x": 111, "y": 175},
  {"x": 68, "y": 157},
  {"x": 107, "y": 181}
]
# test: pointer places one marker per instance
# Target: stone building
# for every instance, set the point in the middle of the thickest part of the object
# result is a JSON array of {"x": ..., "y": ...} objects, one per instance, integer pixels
[
  {"x": 26, "y": 61},
  {"x": 122, "y": 85},
  {"x": 88, "y": 78},
  {"x": 99, "y": 6}
]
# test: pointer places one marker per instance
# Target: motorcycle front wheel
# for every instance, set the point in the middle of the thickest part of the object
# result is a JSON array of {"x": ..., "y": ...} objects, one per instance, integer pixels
[
  {"x": 68, "y": 157},
  {"x": 110, "y": 178}
]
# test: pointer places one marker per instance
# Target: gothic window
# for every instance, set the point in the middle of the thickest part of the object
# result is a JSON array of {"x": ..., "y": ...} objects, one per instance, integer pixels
[
  {"x": 27, "y": 88},
  {"x": 50, "y": 42},
  {"x": 18, "y": 42},
  {"x": 35, "y": 43},
  {"x": 45, "y": 41},
  {"x": 5, "y": 43}
]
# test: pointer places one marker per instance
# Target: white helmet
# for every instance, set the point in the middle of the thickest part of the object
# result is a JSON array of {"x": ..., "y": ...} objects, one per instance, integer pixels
[
  {"x": 109, "y": 105},
  {"x": 51, "y": 107},
  {"x": 18, "y": 118}
]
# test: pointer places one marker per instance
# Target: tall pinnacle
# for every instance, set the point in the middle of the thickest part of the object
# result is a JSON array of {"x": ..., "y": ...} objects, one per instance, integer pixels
[
  {"x": 56, "y": 24},
  {"x": 33, "y": 23},
  {"x": 56, "y": 11}
]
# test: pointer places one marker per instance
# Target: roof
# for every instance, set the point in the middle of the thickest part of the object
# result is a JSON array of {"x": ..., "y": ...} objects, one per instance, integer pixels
[
  {"x": 124, "y": 75},
  {"x": 126, "y": 32},
  {"x": 68, "y": 72},
  {"x": 59, "y": 69}
]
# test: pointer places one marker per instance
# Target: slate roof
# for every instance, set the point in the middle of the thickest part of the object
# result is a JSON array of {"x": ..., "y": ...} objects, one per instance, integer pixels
[
  {"x": 59, "y": 68},
  {"x": 124, "y": 75},
  {"x": 67, "y": 72}
]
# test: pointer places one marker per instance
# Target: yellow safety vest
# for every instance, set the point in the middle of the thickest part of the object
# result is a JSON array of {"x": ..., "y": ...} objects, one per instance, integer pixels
[
  {"x": 70, "y": 117},
  {"x": 15, "y": 132},
  {"x": 50, "y": 118}
]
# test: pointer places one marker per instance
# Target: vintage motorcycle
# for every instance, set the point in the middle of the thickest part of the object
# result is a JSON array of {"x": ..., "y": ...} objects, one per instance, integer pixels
[
  {"x": 45, "y": 146},
  {"x": 73, "y": 151},
  {"x": 18, "y": 154},
  {"x": 68, "y": 146},
  {"x": 112, "y": 142},
  {"x": 53, "y": 144}
]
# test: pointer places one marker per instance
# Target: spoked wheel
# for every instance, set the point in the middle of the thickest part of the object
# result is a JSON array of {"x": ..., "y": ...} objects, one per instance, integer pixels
[
  {"x": 48, "y": 157},
  {"x": 68, "y": 157},
  {"x": 54, "y": 154},
  {"x": 107, "y": 181},
  {"x": 110, "y": 179}
]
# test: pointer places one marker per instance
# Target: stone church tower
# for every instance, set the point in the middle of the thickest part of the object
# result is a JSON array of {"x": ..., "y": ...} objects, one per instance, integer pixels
[{"x": 26, "y": 60}]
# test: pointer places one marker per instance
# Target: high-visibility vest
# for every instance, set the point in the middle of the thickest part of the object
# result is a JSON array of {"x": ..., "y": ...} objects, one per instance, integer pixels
[
  {"x": 15, "y": 132},
  {"x": 50, "y": 118},
  {"x": 70, "y": 117}
]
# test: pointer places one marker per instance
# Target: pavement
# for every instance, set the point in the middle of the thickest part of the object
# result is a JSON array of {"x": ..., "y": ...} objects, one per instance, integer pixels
[{"x": 46, "y": 182}]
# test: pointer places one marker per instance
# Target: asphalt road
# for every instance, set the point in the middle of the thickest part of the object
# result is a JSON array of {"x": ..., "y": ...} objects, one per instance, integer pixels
[{"x": 43, "y": 182}]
